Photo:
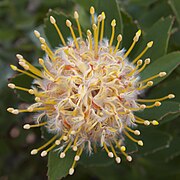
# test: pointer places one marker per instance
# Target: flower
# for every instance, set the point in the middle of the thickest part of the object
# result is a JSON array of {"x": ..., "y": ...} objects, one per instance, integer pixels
[{"x": 88, "y": 91}]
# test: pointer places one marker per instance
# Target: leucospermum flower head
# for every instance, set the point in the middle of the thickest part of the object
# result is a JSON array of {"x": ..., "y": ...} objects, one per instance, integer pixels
[{"x": 88, "y": 91}]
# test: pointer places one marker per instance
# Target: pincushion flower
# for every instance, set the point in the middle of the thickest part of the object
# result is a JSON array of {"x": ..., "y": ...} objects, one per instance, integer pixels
[{"x": 88, "y": 91}]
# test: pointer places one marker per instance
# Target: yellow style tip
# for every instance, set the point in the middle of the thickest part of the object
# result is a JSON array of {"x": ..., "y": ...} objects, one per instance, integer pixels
[
  {"x": 34, "y": 151},
  {"x": 52, "y": 20},
  {"x": 11, "y": 85},
  {"x": 27, "y": 126},
  {"x": 140, "y": 143},
  {"x": 113, "y": 22},
  {"x": 149, "y": 44},
  {"x": 138, "y": 33},
  {"x": 119, "y": 37},
  {"x": 13, "y": 67},
  {"x": 76, "y": 15},
  {"x": 68, "y": 23},
  {"x": 162, "y": 74},
  {"x": 92, "y": 10},
  {"x": 103, "y": 15},
  {"x": 19, "y": 56},
  {"x": 36, "y": 33},
  {"x": 171, "y": 96},
  {"x": 155, "y": 123}
]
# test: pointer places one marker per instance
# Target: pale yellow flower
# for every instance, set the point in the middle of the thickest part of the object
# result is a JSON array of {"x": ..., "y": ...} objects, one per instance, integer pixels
[{"x": 88, "y": 91}]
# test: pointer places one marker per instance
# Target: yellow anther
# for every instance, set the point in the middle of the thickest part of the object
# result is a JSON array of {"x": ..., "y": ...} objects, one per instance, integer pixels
[
  {"x": 136, "y": 37},
  {"x": 27, "y": 126},
  {"x": 10, "y": 110},
  {"x": 113, "y": 22},
  {"x": 36, "y": 33},
  {"x": 92, "y": 10},
  {"x": 142, "y": 106},
  {"x": 11, "y": 85},
  {"x": 129, "y": 158},
  {"x": 13, "y": 67},
  {"x": 149, "y": 83},
  {"x": 162, "y": 74},
  {"x": 157, "y": 103},
  {"x": 146, "y": 123},
  {"x": 15, "y": 111},
  {"x": 140, "y": 143},
  {"x": 19, "y": 56},
  {"x": 68, "y": 23},
  {"x": 147, "y": 61},
  {"x": 103, "y": 15},
  {"x": 34, "y": 151},
  {"x": 76, "y": 15},
  {"x": 52, "y": 20},
  {"x": 150, "y": 44},
  {"x": 42, "y": 40},
  {"x": 171, "y": 96},
  {"x": 155, "y": 123},
  {"x": 99, "y": 18},
  {"x": 123, "y": 148}
]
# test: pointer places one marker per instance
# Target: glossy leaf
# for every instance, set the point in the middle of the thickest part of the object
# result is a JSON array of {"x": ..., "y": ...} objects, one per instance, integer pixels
[
  {"x": 57, "y": 167},
  {"x": 154, "y": 13},
  {"x": 169, "y": 153},
  {"x": 154, "y": 140},
  {"x": 175, "y": 5}
]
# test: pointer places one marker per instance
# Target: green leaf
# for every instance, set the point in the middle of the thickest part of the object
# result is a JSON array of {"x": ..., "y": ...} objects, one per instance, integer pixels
[
  {"x": 175, "y": 5},
  {"x": 159, "y": 33},
  {"x": 169, "y": 153},
  {"x": 98, "y": 159},
  {"x": 154, "y": 141},
  {"x": 166, "y": 63},
  {"x": 57, "y": 167},
  {"x": 154, "y": 13}
]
